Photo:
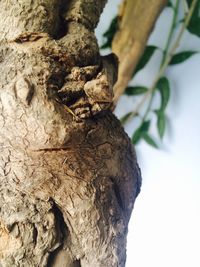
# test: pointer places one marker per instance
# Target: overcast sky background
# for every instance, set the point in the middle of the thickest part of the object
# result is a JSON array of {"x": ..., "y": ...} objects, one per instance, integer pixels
[{"x": 165, "y": 226}]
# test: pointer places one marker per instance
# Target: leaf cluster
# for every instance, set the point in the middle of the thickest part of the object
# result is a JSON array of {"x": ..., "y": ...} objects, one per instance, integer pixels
[{"x": 142, "y": 131}]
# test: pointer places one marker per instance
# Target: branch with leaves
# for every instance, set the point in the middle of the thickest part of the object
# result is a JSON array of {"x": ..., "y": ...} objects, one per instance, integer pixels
[{"x": 190, "y": 22}]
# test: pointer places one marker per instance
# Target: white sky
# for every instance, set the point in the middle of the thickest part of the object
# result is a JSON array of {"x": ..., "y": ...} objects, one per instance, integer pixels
[{"x": 164, "y": 230}]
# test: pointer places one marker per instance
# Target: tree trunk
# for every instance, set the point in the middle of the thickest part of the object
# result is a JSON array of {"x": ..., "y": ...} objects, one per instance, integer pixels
[{"x": 68, "y": 171}]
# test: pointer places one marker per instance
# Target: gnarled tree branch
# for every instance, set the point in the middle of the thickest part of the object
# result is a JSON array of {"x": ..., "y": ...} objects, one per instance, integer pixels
[{"x": 68, "y": 172}]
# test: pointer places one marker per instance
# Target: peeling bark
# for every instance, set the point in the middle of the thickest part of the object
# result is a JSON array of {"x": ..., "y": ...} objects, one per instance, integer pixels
[{"x": 68, "y": 172}]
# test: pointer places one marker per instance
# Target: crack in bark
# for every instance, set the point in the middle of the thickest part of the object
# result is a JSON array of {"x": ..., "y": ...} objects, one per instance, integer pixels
[
  {"x": 35, "y": 235},
  {"x": 31, "y": 91},
  {"x": 117, "y": 194},
  {"x": 56, "y": 257},
  {"x": 28, "y": 37}
]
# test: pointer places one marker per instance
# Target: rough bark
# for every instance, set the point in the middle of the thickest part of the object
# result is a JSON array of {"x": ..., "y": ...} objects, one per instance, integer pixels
[
  {"x": 68, "y": 172},
  {"x": 137, "y": 19}
]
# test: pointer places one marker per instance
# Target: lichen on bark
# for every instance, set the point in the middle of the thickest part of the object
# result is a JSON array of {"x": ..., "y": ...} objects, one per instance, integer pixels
[{"x": 68, "y": 171}]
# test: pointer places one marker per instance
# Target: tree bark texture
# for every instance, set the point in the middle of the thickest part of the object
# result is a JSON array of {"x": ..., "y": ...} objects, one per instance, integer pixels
[
  {"x": 68, "y": 171},
  {"x": 136, "y": 21}
]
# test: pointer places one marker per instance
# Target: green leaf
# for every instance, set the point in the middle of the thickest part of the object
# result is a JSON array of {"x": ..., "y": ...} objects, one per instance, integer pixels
[
  {"x": 161, "y": 122},
  {"x": 164, "y": 89},
  {"x": 109, "y": 34},
  {"x": 136, "y": 136},
  {"x": 135, "y": 90},
  {"x": 194, "y": 24},
  {"x": 189, "y": 2},
  {"x": 149, "y": 140},
  {"x": 146, "y": 57},
  {"x": 181, "y": 57},
  {"x": 169, "y": 4},
  {"x": 144, "y": 127},
  {"x": 124, "y": 119}
]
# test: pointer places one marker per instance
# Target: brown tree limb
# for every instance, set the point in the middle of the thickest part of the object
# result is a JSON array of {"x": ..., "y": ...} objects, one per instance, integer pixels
[{"x": 137, "y": 18}]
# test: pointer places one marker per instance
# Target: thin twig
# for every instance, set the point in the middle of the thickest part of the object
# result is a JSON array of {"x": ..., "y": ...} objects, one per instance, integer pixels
[{"x": 171, "y": 32}]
